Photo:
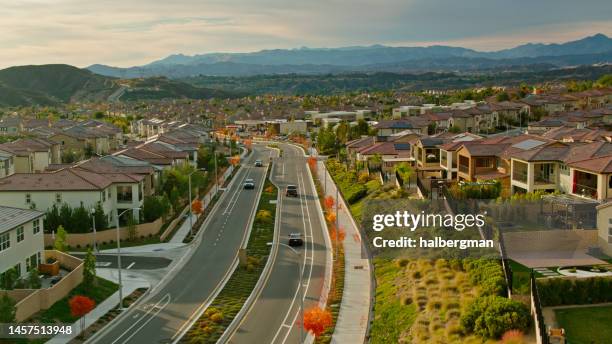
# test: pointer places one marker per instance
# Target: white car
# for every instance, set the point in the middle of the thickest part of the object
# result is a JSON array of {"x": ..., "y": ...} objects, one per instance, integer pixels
[{"x": 249, "y": 183}]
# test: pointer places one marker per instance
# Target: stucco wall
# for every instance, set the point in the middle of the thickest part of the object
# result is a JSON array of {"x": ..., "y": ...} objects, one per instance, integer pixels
[
  {"x": 107, "y": 236},
  {"x": 31, "y": 301}
]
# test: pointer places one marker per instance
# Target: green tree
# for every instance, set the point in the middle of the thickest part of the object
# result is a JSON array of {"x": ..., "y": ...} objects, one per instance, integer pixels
[
  {"x": 81, "y": 220},
  {"x": 100, "y": 218},
  {"x": 89, "y": 269},
  {"x": 8, "y": 279},
  {"x": 454, "y": 129},
  {"x": 492, "y": 316},
  {"x": 34, "y": 279},
  {"x": 405, "y": 172},
  {"x": 326, "y": 141},
  {"x": 52, "y": 219},
  {"x": 60, "y": 239},
  {"x": 8, "y": 309},
  {"x": 342, "y": 132},
  {"x": 503, "y": 96},
  {"x": 131, "y": 229}
]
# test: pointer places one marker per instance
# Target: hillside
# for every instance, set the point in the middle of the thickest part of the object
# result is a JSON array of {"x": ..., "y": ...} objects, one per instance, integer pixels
[
  {"x": 52, "y": 84},
  {"x": 56, "y": 84},
  {"x": 295, "y": 84}
]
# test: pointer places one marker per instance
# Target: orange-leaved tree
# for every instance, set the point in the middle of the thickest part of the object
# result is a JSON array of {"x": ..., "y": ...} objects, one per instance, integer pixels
[
  {"x": 329, "y": 202},
  {"x": 79, "y": 306},
  {"x": 317, "y": 320},
  {"x": 235, "y": 160},
  {"x": 196, "y": 207},
  {"x": 331, "y": 217},
  {"x": 312, "y": 163}
]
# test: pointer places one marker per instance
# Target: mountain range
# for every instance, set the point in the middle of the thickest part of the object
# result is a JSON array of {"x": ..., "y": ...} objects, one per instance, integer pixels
[{"x": 376, "y": 58}]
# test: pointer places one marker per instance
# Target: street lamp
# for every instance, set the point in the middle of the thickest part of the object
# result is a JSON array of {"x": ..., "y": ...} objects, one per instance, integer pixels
[
  {"x": 190, "y": 210},
  {"x": 93, "y": 219},
  {"x": 300, "y": 288},
  {"x": 119, "y": 253}
]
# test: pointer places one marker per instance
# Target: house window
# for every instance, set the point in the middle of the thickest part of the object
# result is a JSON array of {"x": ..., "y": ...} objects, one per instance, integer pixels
[
  {"x": 36, "y": 226},
  {"x": 5, "y": 241},
  {"x": 610, "y": 182},
  {"x": 58, "y": 198},
  {"x": 124, "y": 194},
  {"x": 108, "y": 193},
  {"x": 20, "y": 234},
  {"x": 609, "y": 230},
  {"x": 28, "y": 198},
  {"x": 18, "y": 269},
  {"x": 103, "y": 196}
]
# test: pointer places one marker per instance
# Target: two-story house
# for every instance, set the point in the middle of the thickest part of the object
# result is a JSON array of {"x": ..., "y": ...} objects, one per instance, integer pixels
[{"x": 21, "y": 240}]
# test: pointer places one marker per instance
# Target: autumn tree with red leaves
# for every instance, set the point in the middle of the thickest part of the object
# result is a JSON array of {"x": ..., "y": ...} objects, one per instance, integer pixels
[
  {"x": 196, "y": 207},
  {"x": 79, "y": 307},
  {"x": 317, "y": 320},
  {"x": 329, "y": 202}
]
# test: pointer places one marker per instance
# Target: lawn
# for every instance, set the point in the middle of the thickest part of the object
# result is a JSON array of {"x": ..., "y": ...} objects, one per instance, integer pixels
[
  {"x": 586, "y": 325},
  {"x": 60, "y": 311},
  {"x": 392, "y": 316}
]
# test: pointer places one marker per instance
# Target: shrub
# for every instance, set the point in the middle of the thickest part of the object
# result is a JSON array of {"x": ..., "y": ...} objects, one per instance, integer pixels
[
  {"x": 263, "y": 217},
  {"x": 492, "y": 316},
  {"x": 563, "y": 291}
]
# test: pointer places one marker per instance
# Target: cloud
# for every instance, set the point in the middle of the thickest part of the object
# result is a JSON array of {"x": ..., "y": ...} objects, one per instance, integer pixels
[{"x": 125, "y": 33}]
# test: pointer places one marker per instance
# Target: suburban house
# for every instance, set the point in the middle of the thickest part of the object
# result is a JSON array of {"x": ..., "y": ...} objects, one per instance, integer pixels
[
  {"x": 418, "y": 125},
  {"x": 448, "y": 153},
  {"x": 75, "y": 187},
  {"x": 149, "y": 127},
  {"x": 7, "y": 164},
  {"x": 35, "y": 153},
  {"x": 78, "y": 139},
  {"x": 111, "y": 164},
  {"x": 578, "y": 135},
  {"x": 21, "y": 239},
  {"x": 11, "y": 126},
  {"x": 426, "y": 152}
]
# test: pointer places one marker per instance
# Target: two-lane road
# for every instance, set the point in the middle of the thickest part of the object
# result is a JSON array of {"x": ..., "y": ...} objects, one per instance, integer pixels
[
  {"x": 274, "y": 316},
  {"x": 179, "y": 298}
]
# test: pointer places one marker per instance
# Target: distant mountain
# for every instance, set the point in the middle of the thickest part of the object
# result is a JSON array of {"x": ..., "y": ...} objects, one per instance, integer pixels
[
  {"x": 596, "y": 44},
  {"x": 56, "y": 84},
  {"x": 594, "y": 49}
]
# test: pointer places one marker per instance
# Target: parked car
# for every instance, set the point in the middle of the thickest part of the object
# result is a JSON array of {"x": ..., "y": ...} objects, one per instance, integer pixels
[
  {"x": 291, "y": 191},
  {"x": 295, "y": 239},
  {"x": 249, "y": 183},
  {"x": 258, "y": 163}
]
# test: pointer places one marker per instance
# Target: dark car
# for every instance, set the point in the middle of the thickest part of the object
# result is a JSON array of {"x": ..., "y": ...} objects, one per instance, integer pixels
[
  {"x": 291, "y": 191},
  {"x": 258, "y": 163},
  {"x": 295, "y": 239},
  {"x": 249, "y": 184}
]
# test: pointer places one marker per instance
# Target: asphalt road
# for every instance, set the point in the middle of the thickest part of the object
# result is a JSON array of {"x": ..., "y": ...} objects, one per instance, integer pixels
[
  {"x": 180, "y": 296},
  {"x": 274, "y": 317},
  {"x": 109, "y": 261}
]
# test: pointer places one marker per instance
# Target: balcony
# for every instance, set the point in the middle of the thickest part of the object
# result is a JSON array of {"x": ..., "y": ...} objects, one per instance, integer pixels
[
  {"x": 464, "y": 169},
  {"x": 519, "y": 176},
  {"x": 544, "y": 178},
  {"x": 585, "y": 190}
]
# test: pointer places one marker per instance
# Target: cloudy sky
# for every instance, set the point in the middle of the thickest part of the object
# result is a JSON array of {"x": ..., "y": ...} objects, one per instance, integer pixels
[{"x": 134, "y": 32}]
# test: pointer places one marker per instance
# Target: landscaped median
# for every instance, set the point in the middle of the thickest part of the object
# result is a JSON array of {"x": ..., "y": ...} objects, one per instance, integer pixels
[{"x": 219, "y": 315}]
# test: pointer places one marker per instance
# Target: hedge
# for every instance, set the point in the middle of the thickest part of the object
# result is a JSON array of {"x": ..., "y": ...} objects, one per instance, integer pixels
[{"x": 574, "y": 291}]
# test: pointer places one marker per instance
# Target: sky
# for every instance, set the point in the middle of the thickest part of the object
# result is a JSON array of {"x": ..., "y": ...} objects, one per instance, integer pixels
[{"x": 136, "y": 32}]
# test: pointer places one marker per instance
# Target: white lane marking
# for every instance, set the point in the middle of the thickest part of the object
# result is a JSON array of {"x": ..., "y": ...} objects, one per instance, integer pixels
[
  {"x": 236, "y": 195},
  {"x": 130, "y": 266},
  {"x": 166, "y": 300},
  {"x": 306, "y": 256},
  {"x": 305, "y": 253}
]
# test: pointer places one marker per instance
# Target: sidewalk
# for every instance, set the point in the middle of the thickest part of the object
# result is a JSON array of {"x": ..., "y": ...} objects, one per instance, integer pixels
[
  {"x": 352, "y": 324},
  {"x": 129, "y": 286}
]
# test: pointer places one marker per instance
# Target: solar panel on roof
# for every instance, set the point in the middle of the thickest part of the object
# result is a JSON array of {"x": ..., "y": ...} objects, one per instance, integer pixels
[
  {"x": 528, "y": 144},
  {"x": 401, "y": 146}
]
